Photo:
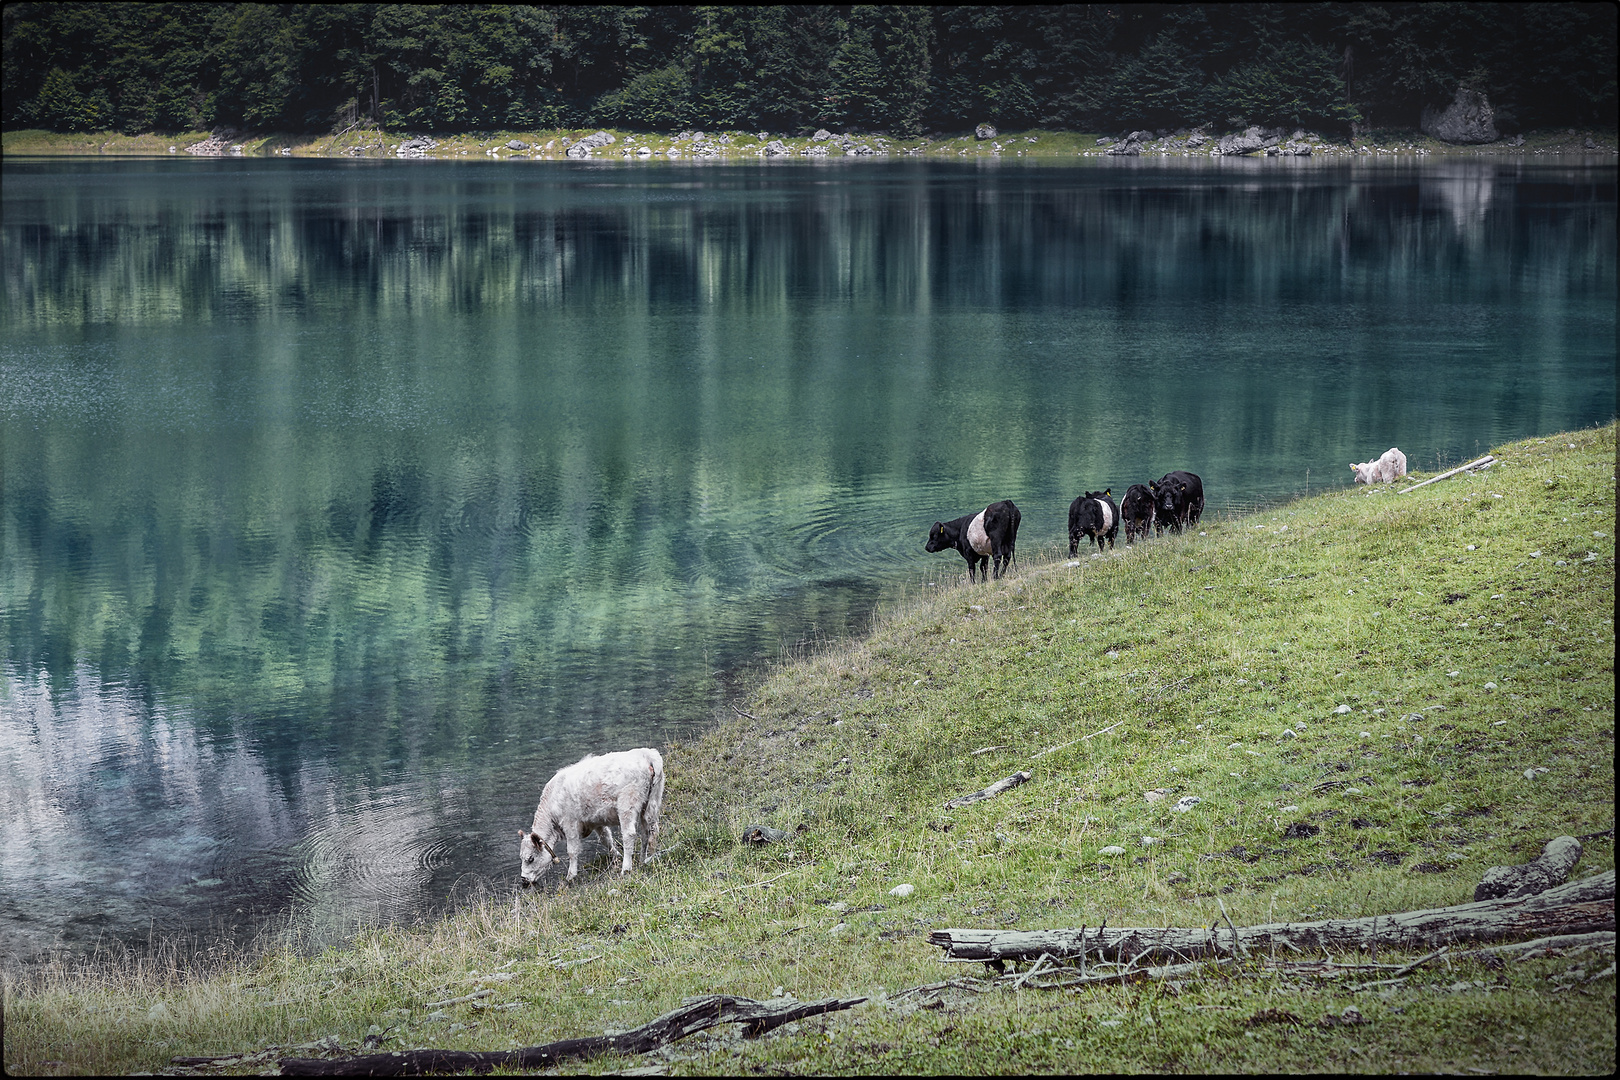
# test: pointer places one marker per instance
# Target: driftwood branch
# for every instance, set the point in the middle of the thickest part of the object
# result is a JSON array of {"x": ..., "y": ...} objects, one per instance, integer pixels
[
  {"x": 997, "y": 788},
  {"x": 1578, "y": 907},
  {"x": 757, "y": 1017},
  {"x": 1478, "y": 463}
]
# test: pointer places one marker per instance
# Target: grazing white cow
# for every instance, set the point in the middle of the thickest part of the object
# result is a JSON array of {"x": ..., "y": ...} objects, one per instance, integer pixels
[
  {"x": 1382, "y": 471},
  {"x": 624, "y": 789}
]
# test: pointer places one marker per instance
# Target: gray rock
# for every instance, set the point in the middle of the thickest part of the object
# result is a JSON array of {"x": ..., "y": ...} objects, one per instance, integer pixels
[
  {"x": 513, "y": 144},
  {"x": 1132, "y": 146},
  {"x": 1195, "y": 140},
  {"x": 985, "y": 131},
  {"x": 821, "y": 135},
  {"x": 1468, "y": 119},
  {"x": 1518, "y": 140},
  {"x": 776, "y": 148},
  {"x": 1105, "y": 141},
  {"x": 1248, "y": 141},
  {"x": 1590, "y": 145},
  {"x": 578, "y": 150}
]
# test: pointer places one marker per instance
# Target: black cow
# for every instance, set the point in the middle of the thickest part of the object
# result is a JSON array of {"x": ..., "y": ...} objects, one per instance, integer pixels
[
  {"x": 1094, "y": 516},
  {"x": 1178, "y": 500},
  {"x": 1138, "y": 511},
  {"x": 986, "y": 537}
]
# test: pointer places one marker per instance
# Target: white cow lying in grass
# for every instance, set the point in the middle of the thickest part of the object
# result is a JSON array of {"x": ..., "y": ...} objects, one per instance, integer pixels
[
  {"x": 1382, "y": 471},
  {"x": 624, "y": 789}
]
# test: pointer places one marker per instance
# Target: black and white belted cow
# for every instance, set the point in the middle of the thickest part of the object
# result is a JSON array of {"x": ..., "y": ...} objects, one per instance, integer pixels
[
  {"x": 1094, "y": 516},
  {"x": 986, "y": 537}
]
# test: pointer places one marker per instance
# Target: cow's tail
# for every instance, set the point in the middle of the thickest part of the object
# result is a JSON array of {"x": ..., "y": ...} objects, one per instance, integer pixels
[{"x": 653, "y": 807}]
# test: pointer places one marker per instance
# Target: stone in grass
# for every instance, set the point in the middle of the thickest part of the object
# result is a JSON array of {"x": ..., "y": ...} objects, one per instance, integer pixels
[
  {"x": 1300, "y": 829},
  {"x": 902, "y": 890},
  {"x": 1342, "y": 709},
  {"x": 1185, "y": 803},
  {"x": 1112, "y": 849}
]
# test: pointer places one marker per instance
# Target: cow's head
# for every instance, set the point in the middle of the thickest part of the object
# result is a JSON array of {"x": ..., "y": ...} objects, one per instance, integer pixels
[
  {"x": 1165, "y": 494},
  {"x": 937, "y": 540},
  {"x": 535, "y": 853},
  {"x": 1363, "y": 472}
]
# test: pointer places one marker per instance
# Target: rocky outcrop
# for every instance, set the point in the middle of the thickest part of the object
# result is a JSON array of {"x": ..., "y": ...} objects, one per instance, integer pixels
[
  {"x": 1468, "y": 119},
  {"x": 583, "y": 148},
  {"x": 1249, "y": 140},
  {"x": 821, "y": 135},
  {"x": 417, "y": 147},
  {"x": 218, "y": 144},
  {"x": 1132, "y": 144},
  {"x": 777, "y": 148},
  {"x": 985, "y": 131}
]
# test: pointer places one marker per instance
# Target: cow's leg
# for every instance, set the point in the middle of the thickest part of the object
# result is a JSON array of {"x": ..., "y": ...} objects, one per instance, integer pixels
[
  {"x": 574, "y": 844},
  {"x": 629, "y": 809}
]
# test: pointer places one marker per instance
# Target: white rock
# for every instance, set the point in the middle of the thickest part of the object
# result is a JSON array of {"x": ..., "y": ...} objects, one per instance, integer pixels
[
  {"x": 1112, "y": 849},
  {"x": 1453, "y": 674},
  {"x": 1352, "y": 791},
  {"x": 1342, "y": 709},
  {"x": 1490, "y": 686},
  {"x": 1290, "y": 809},
  {"x": 1234, "y": 746},
  {"x": 1156, "y": 794},
  {"x": 1366, "y": 734},
  {"x": 1185, "y": 803},
  {"x": 1149, "y": 841},
  {"x": 1471, "y": 547},
  {"x": 839, "y": 929},
  {"x": 1289, "y": 733},
  {"x": 902, "y": 890}
]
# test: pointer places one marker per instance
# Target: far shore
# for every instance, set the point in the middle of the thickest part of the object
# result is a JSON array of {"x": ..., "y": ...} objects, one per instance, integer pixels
[{"x": 738, "y": 145}]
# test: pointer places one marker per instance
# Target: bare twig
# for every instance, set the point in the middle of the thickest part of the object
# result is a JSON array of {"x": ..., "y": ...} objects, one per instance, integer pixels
[
  {"x": 749, "y": 716},
  {"x": 1237, "y": 942},
  {"x": 1104, "y": 731},
  {"x": 459, "y": 1000},
  {"x": 1420, "y": 961},
  {"x": 985, "y": 750},
  {"x": 1024, "y": 978},
  {"x": 755, "y": 885}
]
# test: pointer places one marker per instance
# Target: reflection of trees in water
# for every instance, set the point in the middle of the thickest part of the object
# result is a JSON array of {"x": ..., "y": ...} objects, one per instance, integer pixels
[{"x": 729, "y": 235}]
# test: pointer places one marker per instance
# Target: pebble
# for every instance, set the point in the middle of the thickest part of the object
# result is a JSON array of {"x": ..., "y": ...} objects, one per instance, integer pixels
[
  {"x": 902, "y": 890},
  {"x": 1112, "y": 849},
  {"x": 1490, "y": 686},
  {"x": 1289, "y": 810},
  {"x": 1289, "y": 733},
  {"x": 1342, "y": 709},
  {"x": 1185, "y": 803}
]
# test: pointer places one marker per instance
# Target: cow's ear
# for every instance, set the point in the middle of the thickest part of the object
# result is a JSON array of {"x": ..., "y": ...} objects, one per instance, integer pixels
[{"x": 1109, "y": 492}]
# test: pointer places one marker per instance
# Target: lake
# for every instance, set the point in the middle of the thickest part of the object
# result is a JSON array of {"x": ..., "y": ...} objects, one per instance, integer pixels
[{"x": 342, "y": 502}]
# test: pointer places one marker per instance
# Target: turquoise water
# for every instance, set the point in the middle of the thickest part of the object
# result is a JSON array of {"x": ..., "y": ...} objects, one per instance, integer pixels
[{"x": 350, "y": 499}]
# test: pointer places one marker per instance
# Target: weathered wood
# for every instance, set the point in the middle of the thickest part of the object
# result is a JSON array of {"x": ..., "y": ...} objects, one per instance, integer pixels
[
  {"x": 1550, "y": 868},
  {"x": 757, "y": 1017},
  {"x": 1578, "y": 907},
  {"x": 1478, "y": 463},
  {"x": 997, "y": 788}
]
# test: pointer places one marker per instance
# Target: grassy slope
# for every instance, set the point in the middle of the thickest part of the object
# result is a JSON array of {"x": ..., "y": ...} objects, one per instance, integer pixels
[{"x": 1202, "y": 649}]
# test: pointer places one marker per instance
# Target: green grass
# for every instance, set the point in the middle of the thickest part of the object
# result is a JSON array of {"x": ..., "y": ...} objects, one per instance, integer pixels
[{"x": 1200, "y": 653}]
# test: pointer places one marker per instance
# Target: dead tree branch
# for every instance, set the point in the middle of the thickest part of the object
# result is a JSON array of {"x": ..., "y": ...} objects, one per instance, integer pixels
[{"x": 757, "y": 1017}]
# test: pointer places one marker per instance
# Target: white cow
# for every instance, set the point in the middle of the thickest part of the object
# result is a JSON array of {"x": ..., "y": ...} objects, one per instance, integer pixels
[
  {"x": 596, "y": 792},
  {"x": 1383, "y": 471}
]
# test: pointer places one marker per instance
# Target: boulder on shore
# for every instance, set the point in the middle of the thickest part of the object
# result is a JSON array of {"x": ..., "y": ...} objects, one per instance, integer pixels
[
  {"x": 985, "y": 131},
  {"x": 1248, "y": 141},
  {"x": 1468, "y": 119}
]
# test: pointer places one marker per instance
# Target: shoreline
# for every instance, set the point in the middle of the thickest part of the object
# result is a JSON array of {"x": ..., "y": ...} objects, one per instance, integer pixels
[{"x": 554, "y": 145}]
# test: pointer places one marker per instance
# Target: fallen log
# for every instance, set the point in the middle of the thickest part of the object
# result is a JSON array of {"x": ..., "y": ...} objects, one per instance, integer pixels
[
  {"x": 1550, "y": 868},
  {"x": 757, "y": 1017},
  {"x": 1577, "y": 907},
  {"x": 990, "y": 792}
]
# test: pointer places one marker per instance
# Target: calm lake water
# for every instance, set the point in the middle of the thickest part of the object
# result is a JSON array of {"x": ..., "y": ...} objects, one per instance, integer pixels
[{"x": 341, "y": 502}]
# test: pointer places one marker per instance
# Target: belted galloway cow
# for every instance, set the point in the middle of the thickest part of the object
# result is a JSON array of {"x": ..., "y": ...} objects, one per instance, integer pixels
[
  {"x": 1094, "y": 516},
  {"x": 989, "y": 536}
]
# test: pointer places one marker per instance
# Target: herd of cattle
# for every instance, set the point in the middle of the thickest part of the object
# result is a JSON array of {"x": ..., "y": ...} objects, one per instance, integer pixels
[
  {"x": 626, "y": 789},
  {"x": 988, "y": 539}
]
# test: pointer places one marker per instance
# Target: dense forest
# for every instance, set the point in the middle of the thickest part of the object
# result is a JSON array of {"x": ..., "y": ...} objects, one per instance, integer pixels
[{"x": 903, "y": 69}]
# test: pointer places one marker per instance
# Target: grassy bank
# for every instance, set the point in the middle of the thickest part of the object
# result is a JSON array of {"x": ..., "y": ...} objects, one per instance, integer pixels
[
  {"x": 1396, "y": 670},
  {"x": 738, "y": 145}
]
